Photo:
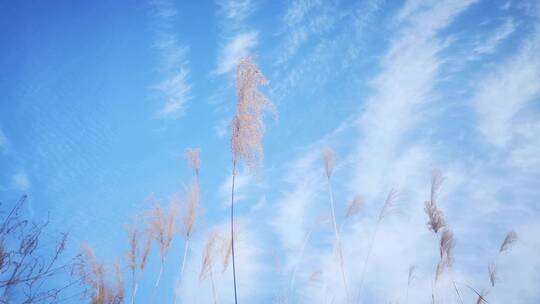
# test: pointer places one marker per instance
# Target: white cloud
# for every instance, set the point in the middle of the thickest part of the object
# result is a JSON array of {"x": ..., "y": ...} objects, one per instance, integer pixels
[
  {"x": 234, "y": 50},
  {"x": 243, "y": 182},
  {"x": 177, "y": 92},
  {"x": 490, "y": 45},
  {"x": 4, "y": 143},
  {"x": 502, "y": 94},
  {"x": 175, "y": 87},
  {"x": 20, "y": 182},
  {"x": 236, "y": 10}
]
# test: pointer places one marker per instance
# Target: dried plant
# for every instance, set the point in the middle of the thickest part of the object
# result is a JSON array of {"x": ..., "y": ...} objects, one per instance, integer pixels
[
  {"x": 437, "y": 224},
  {"x": 248, "y": 125},
  {"x": 34, "y": 267},
  {"x": 210, "y": 251},
  {"x": 436, "y": 217},
  {"x": 446, "y": 247},
  {"x": 509, "y": 240},
  {"x": 390, "y": 204},
  {"x": 133, "y": 255},
  {"x": 492, "y": 271},
  {"x": 137, "y": 256},
  {"x": 119, "y": 283},
  {"x": 93, "y": 274},
  {"x": 163, "y": 226},
  {"x": 328, "y": 156},
  {"x": 354, "y": 207},
  {"x": 192, "y": 156},
  {"x": 482, "y": 297},
  {"x": 247, "y": 129},
  {"x": 192, "y": 202},
  {"x": 410, "y": 278}
]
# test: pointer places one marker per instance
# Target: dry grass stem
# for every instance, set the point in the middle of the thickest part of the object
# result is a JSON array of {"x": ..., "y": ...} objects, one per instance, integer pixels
[
  {"x": 492, "y": 270},
  {"x": 410, "y": 277}
]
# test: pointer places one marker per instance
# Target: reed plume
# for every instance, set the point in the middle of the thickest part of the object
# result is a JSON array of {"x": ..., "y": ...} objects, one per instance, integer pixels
[
  {"x": 328, "y": 156},
  {"x": 355, "y": 206},
  {"x": 208, "y": 261},
  {"x": 437, "y": 224},
  {"x": 192, "y": 201},
  {"x": 92, "y": 273},
  {"x": 163, "y": 225},
  {"x": 509, "y": 240},
  {"x": 247, "y": 129}
]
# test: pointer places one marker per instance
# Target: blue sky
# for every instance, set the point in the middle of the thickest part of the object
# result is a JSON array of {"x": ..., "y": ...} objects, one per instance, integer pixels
[{"x": 99, "y": 100}]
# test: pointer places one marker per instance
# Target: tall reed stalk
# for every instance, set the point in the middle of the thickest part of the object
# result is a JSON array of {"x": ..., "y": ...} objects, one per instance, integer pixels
[
  {"x": 247, "y": 130},
  {"x": 437, "y": 224},
  {"x": 329, "y": 164}
]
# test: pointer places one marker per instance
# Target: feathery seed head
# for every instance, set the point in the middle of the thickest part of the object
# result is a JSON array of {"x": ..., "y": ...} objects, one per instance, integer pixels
[
  {"x": 329, "y": 158},
  {"x": 248, "y": 124},
  {"x": 192, "y": 202},
  {"x": 192, "y": 156},
  {"x": 390, "y": 204},
  {"x": 354, "y": 206},
  {"x": 446, "y": 247},
  {"x": 509, "y": 240},
  {"x": 208, "y": 255}
]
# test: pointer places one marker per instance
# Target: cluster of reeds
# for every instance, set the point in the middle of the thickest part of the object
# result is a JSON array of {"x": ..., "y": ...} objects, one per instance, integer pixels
[
  {"x": 94, "y": 274},
  {"x": 157, "y": 226},
  {"x": 247, "y": 130}
]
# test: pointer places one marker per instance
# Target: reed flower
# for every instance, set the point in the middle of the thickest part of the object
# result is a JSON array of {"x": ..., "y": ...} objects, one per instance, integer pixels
[
  {"x": 247, "y": 129},
  {"x": 248, "y": 124}
]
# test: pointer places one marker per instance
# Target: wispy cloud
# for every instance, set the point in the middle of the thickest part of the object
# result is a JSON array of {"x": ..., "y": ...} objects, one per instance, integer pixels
[
  {"x": 175, "y": 87},
  {"x": 490, "y": 45},
  {"x": 4, "y": 143},
  {"x": 238, "y": 47},
  {"x": 235, "y": 10},
  {"x": 177, "y": 92},
  {"x": 20, "y": 182},
  {"x": 504, "y": 101},
  {"x": 507, "y": 91}
]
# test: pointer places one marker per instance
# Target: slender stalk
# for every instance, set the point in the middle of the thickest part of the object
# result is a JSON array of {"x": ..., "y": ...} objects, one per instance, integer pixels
[
  {"x": 371, "y": 242},
  {"x": 186, "y": 248},
  {"x": 338, "y": 240},
  {"x": 295, "y": 270},
  {"x": 407, "y": 296},
  {"x": 134, "y": 293},
  {"x": 213, "y": 285},
  {"x": 232, "y": 231},
  {"x": 159, "y": 277},
  {"x": 457, "y": 291}
]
